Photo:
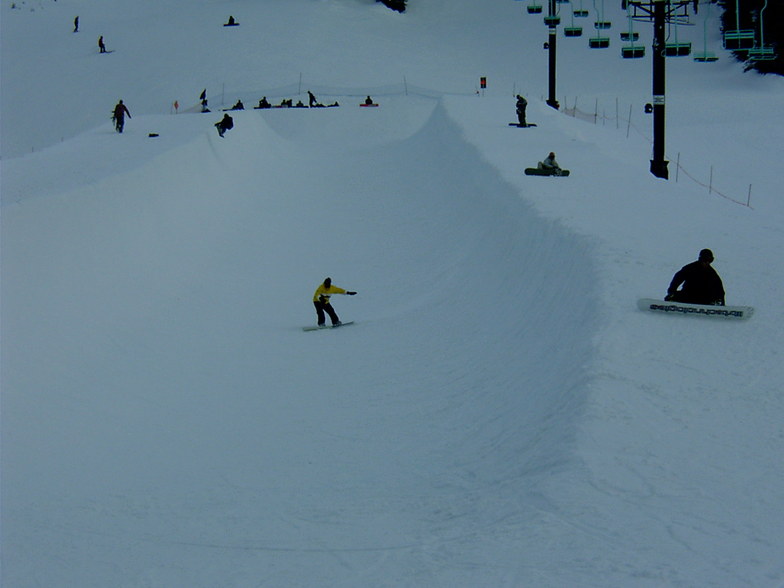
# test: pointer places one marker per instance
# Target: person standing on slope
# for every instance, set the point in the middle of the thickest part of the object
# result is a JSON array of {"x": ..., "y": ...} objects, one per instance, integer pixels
[
  {"x": 118, "y": 116},
  {"x": 322, "y": 304},
  {"x": 701, "y": 283},
  {"x": 520, "y": 107}
]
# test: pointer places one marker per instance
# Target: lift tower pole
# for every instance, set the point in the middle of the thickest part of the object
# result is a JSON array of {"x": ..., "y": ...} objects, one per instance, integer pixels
[
  {"x": 658, "y": 163},
  {"x": 660, "y": 12},
  {"x": 552, "y": 20}
]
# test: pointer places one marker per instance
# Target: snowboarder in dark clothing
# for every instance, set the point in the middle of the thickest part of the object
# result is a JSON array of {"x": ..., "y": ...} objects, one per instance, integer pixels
[
  {"x": 101, "y": 45},
  {"x": 321, "y": 302},
  {"x": 263, "y": 103},
  {"x": 76, "y": 24},
  {"x": 118, "y": 116},
  {"x": 225, "y": 124},
  {"x": 701, "y": 283},
  {"x": 312, "y": 99},
  {"x": 521, "y": 104}
]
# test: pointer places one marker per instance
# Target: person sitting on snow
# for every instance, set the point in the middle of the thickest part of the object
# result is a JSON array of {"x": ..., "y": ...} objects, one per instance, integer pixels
[
  {"x": 550, "y": 164},
  {"x": 701, "y": 283}
]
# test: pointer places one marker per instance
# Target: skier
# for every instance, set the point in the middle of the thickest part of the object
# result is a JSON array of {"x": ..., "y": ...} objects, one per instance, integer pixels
[
  {"x": 312, "y": 99},
  {"x": 549, "y": 164},
  {"x": 224, "y": 124},
  {"x": 521, "y": 104},
  {"x": 118, "y": 116},
  {"x": 76, "y": 25},
  {"x": 701, "y": 283},
  {"x": 101, "y": 46},
  {"x": 322, "y": 304}
]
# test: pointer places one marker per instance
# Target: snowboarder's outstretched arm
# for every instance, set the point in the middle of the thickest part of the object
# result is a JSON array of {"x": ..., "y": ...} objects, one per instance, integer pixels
[{"x": 677, "y": 280}]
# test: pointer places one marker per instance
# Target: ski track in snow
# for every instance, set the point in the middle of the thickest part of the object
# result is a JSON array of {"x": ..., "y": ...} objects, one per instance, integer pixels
[{"x": 500, "y": 414}]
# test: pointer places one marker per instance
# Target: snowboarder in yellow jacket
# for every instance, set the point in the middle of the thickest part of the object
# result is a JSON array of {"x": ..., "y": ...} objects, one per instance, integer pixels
[{"x": 321, "y": 301}]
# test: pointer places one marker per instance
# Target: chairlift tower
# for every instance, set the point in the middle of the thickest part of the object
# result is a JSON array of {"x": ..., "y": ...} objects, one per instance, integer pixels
[
  {"x": 660, "y": 13},
  {"x": 552, "y": 20}
]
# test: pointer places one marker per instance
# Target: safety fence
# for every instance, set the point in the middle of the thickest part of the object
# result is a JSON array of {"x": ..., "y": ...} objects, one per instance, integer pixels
[{"x": 624, "y": 122}]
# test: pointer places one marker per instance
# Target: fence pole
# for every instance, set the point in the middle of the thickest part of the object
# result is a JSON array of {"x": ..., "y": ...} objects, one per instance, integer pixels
[
  {"x": 617, "y": 118},
  {"x": 710, "y": 182},
  {"x": 596, "y": 112},
  {"x": 748, "y": 200},
  {"x": 677, "y": 167},
  {"x": 629, "y": 123}
]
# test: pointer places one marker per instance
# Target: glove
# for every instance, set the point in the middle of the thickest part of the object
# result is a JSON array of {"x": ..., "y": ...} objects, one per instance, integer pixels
[{"x": 350, "y": 293}]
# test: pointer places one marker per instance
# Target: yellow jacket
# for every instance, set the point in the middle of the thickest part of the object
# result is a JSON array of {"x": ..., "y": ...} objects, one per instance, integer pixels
[{"x": 323, "y": 293}]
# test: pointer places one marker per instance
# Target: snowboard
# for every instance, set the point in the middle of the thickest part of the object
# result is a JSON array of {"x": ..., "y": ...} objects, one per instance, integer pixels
[
  {"x": 684, "y": 308},
  {"x": 535, "y": 171},
  {"x": 522, "y": 126},
  {"x": 317, "y": 328}
]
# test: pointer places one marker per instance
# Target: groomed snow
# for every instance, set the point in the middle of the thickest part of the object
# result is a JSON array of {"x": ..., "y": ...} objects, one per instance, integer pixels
[{"x": 500, "y": 414}]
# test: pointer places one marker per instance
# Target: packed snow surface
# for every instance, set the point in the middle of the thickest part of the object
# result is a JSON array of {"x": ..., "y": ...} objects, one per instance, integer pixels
[{"x": 500, "y": 413}]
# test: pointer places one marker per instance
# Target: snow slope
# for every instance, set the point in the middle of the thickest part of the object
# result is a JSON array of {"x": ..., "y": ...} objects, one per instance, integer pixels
[{"x": 500, "y": 414}]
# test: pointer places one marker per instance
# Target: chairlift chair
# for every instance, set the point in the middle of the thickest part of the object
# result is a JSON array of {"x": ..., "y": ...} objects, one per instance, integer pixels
[
  {"x": 677, "y": 48},
  {"x": 599, "y": 42},
  {"x": 633, "y": 51},
  {"x": 705, "y": 56},
  {"x": 767, "y": 53},
  {"x": 762, "y": 51}
]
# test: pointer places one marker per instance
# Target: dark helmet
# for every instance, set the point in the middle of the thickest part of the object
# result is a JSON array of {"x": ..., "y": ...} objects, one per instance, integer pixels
[
  {"x": 328, "y": 282},
  {"x": 706, "y": 255}
]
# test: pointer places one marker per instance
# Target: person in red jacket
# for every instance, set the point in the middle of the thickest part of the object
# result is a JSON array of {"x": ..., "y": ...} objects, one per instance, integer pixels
[
  {"x": 118, "y": 116},
  {"x": 322, "y": 304}
]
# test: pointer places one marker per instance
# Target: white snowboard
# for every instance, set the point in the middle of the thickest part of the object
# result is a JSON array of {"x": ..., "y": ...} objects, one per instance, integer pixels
[
  {"x": 317, "y": 328},
  {"x": 664, "y": 307}
]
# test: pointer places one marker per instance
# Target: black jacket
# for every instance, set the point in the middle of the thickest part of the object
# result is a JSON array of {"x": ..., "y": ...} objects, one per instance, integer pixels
[{"x": 701, "y": 285}]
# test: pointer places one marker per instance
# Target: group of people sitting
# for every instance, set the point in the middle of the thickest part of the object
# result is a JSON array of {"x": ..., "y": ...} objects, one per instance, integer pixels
[
  {"x": 289, "y": 103},
  {"x": 286, "y": 103}
]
